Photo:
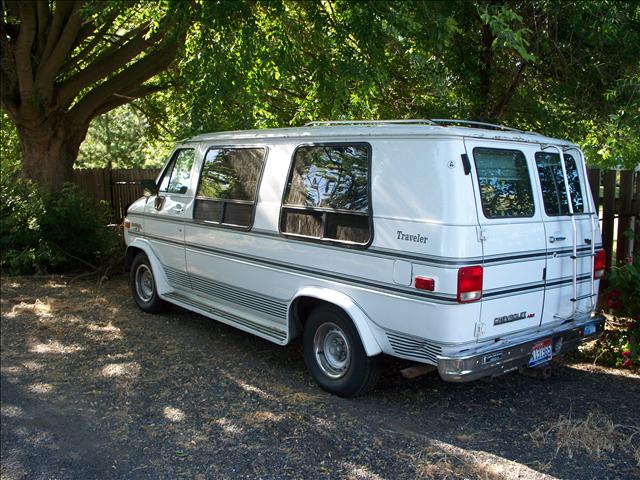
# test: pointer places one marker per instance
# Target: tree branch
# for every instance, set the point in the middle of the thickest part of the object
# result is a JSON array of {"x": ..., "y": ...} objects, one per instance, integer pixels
[
  {"x": 135, "y": 74},
  {"x": 499, "y": 109},
  {"x": 24, "y": 71},
  {"x": 109, "y": 61},
  {"x": 8, "y": 80},
  {"x": 117, "y": 100},
  {"x": 44, "y": 17},
  {"x": 88, "y": 30},
  {"x": 48, "y": 70},
  {"x": 60, "y": 13}
]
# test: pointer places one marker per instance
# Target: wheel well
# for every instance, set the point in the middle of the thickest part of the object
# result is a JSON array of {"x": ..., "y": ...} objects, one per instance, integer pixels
[
  {"x": 129, "y": 256},
  {"x": 299, "y": 312}
]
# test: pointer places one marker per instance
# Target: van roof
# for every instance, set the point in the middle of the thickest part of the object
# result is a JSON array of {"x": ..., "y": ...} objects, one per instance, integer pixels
[{"x": 385, "y": 128}]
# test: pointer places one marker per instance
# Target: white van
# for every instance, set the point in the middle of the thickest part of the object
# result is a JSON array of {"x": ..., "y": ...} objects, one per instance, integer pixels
[{"x": 471, "y": 247}]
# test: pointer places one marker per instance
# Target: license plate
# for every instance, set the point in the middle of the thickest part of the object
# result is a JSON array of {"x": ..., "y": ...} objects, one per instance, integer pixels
[
  {"x": 541, "y": 353},
  {"x": 589, "y": 329}
]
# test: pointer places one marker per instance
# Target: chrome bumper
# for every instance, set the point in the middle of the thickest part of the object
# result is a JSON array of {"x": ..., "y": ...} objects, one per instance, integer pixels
[{"x": 500, "y": 358}]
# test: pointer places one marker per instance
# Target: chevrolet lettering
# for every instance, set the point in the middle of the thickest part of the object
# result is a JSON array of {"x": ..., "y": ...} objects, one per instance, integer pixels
[{"x": 509, "y": 318}]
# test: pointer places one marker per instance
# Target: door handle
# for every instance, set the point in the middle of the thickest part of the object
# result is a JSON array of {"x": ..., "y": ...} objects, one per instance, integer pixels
[
  {"x": 556, "y": 239},
  {"x": 178, "y": 208}
]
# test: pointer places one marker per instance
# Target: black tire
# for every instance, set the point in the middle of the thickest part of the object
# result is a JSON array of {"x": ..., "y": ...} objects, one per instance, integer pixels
[
  {"x": 328, "y": 325},
  {"x": 143, "y": 285}
]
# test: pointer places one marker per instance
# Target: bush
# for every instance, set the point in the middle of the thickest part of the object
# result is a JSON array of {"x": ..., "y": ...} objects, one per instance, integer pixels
[
  {"x": 620, "y": 344},
  {"x": 623, "y": 291},
  {"x": 46, "y": 233}
]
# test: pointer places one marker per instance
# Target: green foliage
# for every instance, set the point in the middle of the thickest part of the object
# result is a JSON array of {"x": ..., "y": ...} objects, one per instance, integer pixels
[
  {"x": 620, "y": 344},
  {"x": 623, "y": 291},
  {"x": 10, "y": 156},
  {"x": 46, "y": 233},
  {"x": 565, "y": 69},
  {"x": 124, "y": 138}
]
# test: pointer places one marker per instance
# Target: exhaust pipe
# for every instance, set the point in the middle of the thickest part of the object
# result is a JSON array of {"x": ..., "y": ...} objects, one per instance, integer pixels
[{"x": 543, "y": 372}]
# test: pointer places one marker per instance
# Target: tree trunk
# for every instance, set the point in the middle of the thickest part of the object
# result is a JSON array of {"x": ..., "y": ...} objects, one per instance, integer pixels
[
  {"x": 49, "y": 151},
  {"x": 484, "y": 73}
]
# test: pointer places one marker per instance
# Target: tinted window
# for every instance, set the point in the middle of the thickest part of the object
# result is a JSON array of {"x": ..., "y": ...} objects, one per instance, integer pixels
[
  {"x": 178, "y": 173},
  {"x": 231, "y": 173},
  {"x": 327, "y": 195},
  {"x": 330, "y": 176},
  {"x": 554, "y": 192},
  {"x": 229, "y": 186},
  {"x": 505, "y": 186}
]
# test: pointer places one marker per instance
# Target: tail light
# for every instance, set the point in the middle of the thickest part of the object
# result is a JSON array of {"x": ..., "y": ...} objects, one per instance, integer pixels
[
  {"x": 599, "y": 264},
  {"x": 469, "y": 284}
]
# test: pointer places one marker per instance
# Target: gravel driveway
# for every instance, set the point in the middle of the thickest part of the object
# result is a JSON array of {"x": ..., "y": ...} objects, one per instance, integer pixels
[{"x": 94, "y": 388}]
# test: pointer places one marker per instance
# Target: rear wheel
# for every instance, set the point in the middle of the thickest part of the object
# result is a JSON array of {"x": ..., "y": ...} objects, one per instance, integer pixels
[
  {"x": 143, "y": 285},
  {"x": 334, "y": 354}
]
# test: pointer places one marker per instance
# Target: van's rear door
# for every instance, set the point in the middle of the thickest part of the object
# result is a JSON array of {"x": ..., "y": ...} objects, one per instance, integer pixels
[
  {"x": 558, "y": 305},
  {"x": 513, "y": 236}
]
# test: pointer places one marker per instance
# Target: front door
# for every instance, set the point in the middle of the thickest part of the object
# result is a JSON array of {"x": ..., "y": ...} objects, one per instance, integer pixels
[
  {"x": 512, "y": 235},
  {"x": 559, "y": 234},
  {"x": 166, "y": 213}
]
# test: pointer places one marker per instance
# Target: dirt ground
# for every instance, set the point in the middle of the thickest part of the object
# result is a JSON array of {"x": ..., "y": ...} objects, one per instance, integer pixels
[{"x": 94, "y": 388}]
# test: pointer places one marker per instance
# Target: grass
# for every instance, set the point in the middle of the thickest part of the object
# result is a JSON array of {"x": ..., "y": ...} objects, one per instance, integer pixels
[{"x": 596, "y": 435}]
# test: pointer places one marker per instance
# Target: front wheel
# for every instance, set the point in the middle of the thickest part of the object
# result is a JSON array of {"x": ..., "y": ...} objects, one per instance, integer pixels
[
  {"x": 334, "y": 354},
  {"x": 143, "y": 285}
]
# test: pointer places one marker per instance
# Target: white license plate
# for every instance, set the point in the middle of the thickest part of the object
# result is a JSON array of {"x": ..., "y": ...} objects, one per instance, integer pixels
[
  {"x": 541, "y": 353},
  {"x": 589, "y": 329}
]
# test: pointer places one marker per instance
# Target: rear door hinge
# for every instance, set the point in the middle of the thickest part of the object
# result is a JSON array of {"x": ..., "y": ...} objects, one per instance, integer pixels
[{"x": 482, "y": 234}]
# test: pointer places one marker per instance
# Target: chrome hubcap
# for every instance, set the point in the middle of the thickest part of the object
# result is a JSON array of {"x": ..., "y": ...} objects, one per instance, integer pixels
[
  {"x": 144, "y": 283},
  {"x": 332, "y": 351}
]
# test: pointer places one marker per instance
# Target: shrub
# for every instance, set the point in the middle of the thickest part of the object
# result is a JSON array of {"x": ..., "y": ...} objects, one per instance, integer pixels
[
  {"x": 620, "y": 344},
  {"x": 623, "y": 291},
  {"x": 46, "y": 233}
]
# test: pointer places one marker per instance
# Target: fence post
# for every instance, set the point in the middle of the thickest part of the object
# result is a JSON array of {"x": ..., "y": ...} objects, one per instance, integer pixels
[
  {"x": 594, "y": 183},
  {"x": 635, "y": 209},
  {"x": 624, "y": 214},
  {"x": 608, "y": 213}
]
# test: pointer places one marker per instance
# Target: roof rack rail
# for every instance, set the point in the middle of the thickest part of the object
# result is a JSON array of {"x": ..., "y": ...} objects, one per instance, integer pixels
[
  {"x": 415, "y": 121},
  {"x": 471, "y": 123},
  {"x": 441, "y": 122}
]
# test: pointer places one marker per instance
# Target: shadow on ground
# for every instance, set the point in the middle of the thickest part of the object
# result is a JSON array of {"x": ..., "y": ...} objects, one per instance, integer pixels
[{"x": 94, "y": 388}]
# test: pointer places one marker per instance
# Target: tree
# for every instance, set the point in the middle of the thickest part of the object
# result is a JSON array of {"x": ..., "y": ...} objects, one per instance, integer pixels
[
  {"x": 65, "y": 62},
  {"x": 565, "y": 69}
]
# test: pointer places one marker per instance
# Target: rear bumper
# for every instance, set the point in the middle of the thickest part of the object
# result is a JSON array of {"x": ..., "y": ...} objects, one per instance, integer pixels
[{"x": 510, "y": 355}]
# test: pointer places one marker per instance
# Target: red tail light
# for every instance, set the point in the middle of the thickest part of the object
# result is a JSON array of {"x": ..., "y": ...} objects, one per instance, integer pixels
[
  {"x": 469, "y": 284},
  {"x": 599, "y": 264},
  {"x": 422, "y": 283}
]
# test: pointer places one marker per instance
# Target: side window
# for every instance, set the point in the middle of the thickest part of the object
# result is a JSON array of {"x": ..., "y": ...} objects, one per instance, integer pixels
[
  {"x": 177, "y": 175},
  {"x": 327, "y": 194},
  {"x": 505, "y": 185},
  {"x": 229, "y": 186},
  {"x": 554, "y": 193}
]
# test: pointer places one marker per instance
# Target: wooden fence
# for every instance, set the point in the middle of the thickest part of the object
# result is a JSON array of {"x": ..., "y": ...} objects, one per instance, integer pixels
[
  {"x": 118, "y": 187},
  {"x": 617, "y": 195}
]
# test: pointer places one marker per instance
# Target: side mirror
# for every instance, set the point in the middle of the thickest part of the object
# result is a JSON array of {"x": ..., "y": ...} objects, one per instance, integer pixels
[{"x": 149, "y": 187}]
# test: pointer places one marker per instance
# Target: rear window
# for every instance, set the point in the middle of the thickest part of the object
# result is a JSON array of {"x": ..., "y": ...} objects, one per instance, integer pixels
[
  {"x": 554, "y": 193},
  {"x": 505, "y": 185}
]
